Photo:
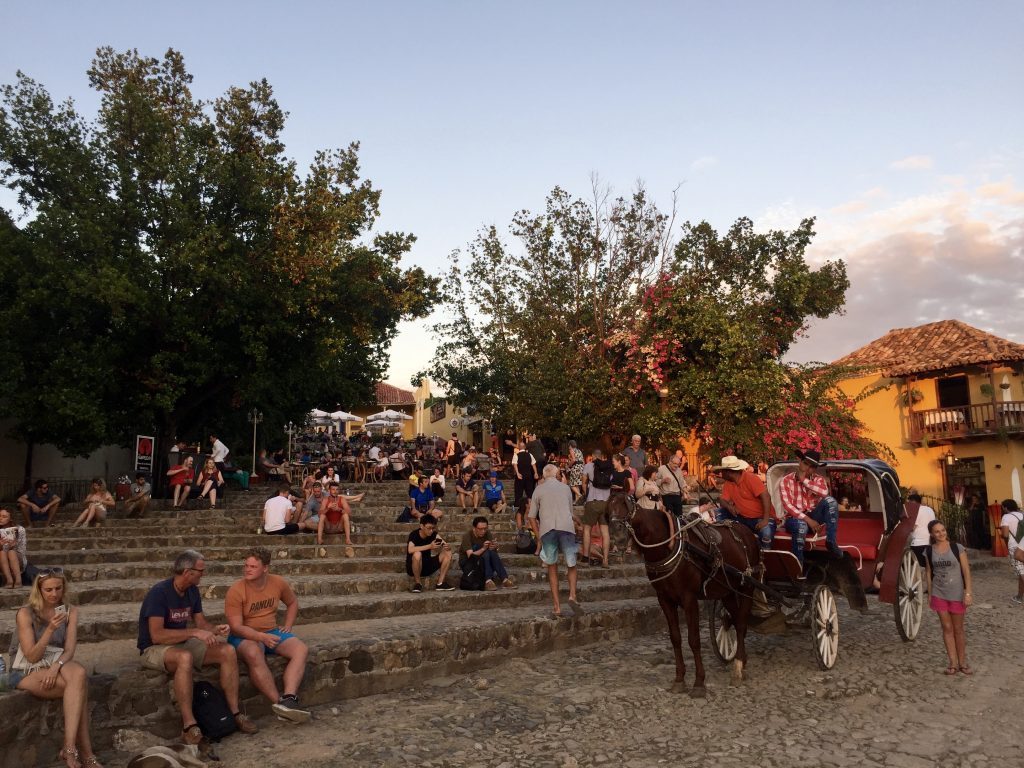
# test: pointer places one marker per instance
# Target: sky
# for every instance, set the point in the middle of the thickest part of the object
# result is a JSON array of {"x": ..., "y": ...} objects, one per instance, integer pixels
[{"x": 899, "y": 126}]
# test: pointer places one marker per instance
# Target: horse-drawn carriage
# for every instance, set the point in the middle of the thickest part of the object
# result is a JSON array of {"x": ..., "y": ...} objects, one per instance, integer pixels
[
  {"x": 687, "y": 561},
  {"x": 873, "y": 529}
]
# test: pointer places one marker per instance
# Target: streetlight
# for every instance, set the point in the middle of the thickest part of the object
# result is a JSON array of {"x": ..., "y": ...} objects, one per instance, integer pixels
[
  {"x": 290, "y": 429},
  {"x": 255, "y": 417}
]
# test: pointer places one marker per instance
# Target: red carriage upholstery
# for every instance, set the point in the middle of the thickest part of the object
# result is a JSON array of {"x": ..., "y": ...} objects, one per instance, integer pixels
[{"x": 862, "y": 532}]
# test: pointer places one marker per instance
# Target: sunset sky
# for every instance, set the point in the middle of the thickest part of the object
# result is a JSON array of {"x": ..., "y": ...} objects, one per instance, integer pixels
[{"x": 898, "y": 125}]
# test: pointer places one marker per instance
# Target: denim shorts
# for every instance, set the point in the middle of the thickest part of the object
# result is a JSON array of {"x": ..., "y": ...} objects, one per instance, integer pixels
[
  {"x": 237, "y": 641},
  {"x": 554, "y": 541}
]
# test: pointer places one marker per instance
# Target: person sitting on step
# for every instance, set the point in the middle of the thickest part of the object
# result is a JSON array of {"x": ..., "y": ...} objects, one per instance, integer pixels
[
  {"x": 494, "y": 493},
  {"x": 421, "y": 501},
  {"x": 468, "y": 491},
  {"x": 209, "y": 482},
  {"x": 478, "y": 542},
  {"x": 141, "y": 494},
  {"x": 175, "y": 637},
  {"x": 97, "y": 503},
  {"x": 280, "y": 513},
  {"x": 251, "y": 611},
  {"x": 426, "y": 553},
  {"x": 335, "y": 517}
]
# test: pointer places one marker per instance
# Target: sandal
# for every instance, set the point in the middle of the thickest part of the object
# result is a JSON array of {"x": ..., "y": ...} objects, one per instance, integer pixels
[
  {"x": 965, "y": 669},
  {"x": 950, "y": 670},
  {"x": 191, "y": 734},
  {"x": 91, "y": 762},
  {"x": 70, "y": 756}
]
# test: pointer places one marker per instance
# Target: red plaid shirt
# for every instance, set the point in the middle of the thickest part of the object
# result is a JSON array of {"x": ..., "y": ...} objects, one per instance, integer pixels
[{"x": 800, "y": 496}]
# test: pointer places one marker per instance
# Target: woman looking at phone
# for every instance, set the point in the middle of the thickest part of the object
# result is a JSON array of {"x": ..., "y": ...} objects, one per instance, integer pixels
[
  {"x": 13, "y": 550},
  {"x": 47, "y": 632}
]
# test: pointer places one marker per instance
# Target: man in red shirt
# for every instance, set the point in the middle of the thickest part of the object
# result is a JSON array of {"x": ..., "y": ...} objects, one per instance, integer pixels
[
  {"x": 808, "y": 505},
  {"x": 745, "y": 499}
]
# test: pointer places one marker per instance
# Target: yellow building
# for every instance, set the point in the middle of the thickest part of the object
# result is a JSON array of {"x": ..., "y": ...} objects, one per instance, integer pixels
[
  {"x": 948, "y": 400},
  {"x": 388, "y": 397}
]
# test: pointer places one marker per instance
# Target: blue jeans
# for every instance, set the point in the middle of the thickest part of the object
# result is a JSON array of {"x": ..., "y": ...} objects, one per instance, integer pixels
[
  {"x": 493, "y": 567},
  {"x": 825, "y": 512},
  {"x": 765, "y": 535}
]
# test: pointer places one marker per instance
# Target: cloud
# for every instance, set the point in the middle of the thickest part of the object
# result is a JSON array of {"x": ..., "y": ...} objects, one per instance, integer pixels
[
  {"x": 953, "y": 255},
  {"x": 707, "y": 161},
  {"x": 912, "y": 163}
]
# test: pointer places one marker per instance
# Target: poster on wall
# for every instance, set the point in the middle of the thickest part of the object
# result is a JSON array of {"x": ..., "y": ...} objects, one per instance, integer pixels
[{"x": 144, "y": 453}]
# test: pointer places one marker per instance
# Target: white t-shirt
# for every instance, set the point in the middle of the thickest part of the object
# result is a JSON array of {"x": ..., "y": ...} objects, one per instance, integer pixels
[
  {"x": 220, "y": 452},
  {"x": 919, "y": 538},
  {"x": 374, "y": 453},
  {"x": 275, "y": 513},
  {"x": 437, "y": 480},
  {"x": 1012, "y": 520}
]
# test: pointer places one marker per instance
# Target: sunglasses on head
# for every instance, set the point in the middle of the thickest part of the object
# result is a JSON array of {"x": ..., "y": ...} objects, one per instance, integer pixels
[{"x": 48, "y": 572}]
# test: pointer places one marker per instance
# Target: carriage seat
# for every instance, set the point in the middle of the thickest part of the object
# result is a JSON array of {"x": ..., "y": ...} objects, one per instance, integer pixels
[{"x": 859, "y": 536}]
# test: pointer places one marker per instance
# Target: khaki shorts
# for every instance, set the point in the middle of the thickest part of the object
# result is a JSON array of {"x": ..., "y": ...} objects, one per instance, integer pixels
[
  {"x": 595, "y": 513},
  {"x": 153, "y": 657}
]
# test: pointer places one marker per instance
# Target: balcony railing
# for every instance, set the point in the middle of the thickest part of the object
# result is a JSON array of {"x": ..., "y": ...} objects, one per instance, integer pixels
[{"x": 1004, "y": 417}]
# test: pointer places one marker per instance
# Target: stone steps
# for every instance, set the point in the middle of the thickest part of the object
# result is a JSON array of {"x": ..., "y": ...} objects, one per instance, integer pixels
[{"x": 368, "y": 633}]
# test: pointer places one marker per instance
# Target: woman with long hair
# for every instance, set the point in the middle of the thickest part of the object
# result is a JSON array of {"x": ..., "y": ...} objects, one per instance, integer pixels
[
  {"x": 13, "y": 550},
  {"x": 949, "y": 587},
  {"x": 44, "y": 626},
  {"x": 210, "y": 480},
  {"x": 97, "y": 503}
]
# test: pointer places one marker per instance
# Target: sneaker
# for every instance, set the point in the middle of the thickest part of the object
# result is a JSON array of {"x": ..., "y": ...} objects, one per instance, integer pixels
[
  {"x": 417, "y": 587},
  {"x": 489, "y": 585},
  {"x": 1017, "y": 599},
  {"x": 245, "y": 725},
  {"x": 509, "y": 583},
  {"x": 444, "y": 586},
  {"x": 287, "y": 709}
]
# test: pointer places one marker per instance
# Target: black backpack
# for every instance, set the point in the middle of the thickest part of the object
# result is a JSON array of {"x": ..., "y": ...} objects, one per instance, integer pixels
[
  {"x": 211, "y": 711},
  {"x": 603, "y": 475},
  {"x": 472, "y": 574},
  {"x": 525, "y": 543}
]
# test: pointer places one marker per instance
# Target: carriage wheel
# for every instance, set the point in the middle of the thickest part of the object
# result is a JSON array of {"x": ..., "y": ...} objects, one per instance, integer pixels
[
  {"x": 909, "y": 606},
  {"x": 824, "y": 627},
  {"x": 723, "y": 632}
]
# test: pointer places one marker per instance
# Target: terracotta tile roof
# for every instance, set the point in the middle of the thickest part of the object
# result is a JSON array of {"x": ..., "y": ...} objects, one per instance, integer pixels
[
  {"x": 388, "y": 394},
  {"x": 945, "y": 345}
]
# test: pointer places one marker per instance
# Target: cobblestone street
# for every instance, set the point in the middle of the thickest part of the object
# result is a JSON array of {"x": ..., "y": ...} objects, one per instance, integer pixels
[{"x": 885, "y": 703}]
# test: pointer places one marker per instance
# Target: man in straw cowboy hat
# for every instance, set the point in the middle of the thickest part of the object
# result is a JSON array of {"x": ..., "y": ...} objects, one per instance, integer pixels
[
  {"x": 745, "y": 499},
  {"x": 808, "y": 504}
]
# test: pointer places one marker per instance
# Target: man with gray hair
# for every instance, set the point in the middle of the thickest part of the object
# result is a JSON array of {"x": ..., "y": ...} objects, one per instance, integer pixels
[
  {"x": 175, "y": 637},
  {"x": 637, "y": 456},
  {"x": 551, "y": 519}
]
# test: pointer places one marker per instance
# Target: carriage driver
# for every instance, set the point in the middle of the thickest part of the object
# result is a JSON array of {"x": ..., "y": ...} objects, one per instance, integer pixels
[
  {"x": 745, "y": 499},
  {"x": 808, "y": 505}
]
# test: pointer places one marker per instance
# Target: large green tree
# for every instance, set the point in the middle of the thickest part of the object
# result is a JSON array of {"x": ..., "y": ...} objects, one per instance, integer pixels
[
  {"x": 524, "y": 338},
  {"x": 172, "y": 267}
]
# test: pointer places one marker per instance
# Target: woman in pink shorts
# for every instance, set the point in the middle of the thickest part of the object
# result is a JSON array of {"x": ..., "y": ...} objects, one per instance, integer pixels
[{"x": 949, "y": 585}]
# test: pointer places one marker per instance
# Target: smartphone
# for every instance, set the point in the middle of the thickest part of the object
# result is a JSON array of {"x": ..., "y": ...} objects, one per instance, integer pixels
[{"x": 61, "y": 608}]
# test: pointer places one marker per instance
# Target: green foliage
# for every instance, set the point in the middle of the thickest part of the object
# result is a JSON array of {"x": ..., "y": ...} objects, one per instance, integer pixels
[{"x": 175, "y": 268}]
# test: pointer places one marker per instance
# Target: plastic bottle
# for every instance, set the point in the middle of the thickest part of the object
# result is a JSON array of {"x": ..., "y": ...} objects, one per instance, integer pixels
[{"x": 3, "y": 674}]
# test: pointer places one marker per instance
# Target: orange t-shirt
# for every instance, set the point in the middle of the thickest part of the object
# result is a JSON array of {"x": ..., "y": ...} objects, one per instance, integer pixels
[
  {"x": 746, "y": 495},
  {"x": 259, "y": 607}
]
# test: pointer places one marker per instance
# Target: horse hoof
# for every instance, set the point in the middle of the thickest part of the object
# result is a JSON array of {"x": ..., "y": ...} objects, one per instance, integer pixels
[
  {"x": 698, "y": 693},
  {"x": 678, "y": 687}
]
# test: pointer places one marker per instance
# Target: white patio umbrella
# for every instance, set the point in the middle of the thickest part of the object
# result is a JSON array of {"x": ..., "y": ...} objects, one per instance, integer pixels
[
  {"x": 342, "y": 416},
  {"x": 389, "y": 415},
  {"x": 316, "y": 413},
  {"x": 380, "y": 423}
]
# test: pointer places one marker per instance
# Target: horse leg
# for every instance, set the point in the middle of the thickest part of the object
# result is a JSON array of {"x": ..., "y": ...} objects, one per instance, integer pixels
[
  {"x": 692, "y": 610},
  {"x": 739, "y": 608},
  {"x": 672, "y": 619}
]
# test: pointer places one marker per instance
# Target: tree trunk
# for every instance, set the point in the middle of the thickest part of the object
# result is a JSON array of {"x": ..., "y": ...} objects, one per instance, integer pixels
[{"x": 29, "y": 450}]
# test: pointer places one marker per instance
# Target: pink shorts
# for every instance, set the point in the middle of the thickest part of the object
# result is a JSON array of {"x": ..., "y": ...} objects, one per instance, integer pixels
[{"x": 946, "y": 606}]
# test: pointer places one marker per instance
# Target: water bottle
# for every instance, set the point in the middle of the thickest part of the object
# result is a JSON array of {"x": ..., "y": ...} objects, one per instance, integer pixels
[{"x": 3, "y": 674}]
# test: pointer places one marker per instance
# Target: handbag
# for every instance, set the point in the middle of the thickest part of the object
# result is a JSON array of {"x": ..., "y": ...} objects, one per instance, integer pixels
[{"x": 50, "y": 656}]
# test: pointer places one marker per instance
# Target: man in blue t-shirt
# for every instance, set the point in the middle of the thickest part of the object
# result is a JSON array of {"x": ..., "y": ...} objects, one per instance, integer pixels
[
  {"x": 494, "y": 493},
  {"x": 175, "y": 637},
  {"x": 421, "y": 500},
  {"x": 39, "y": 505}
]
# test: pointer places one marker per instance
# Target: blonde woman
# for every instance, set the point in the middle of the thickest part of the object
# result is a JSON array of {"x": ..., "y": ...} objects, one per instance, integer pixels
[
  {"x": 46, "y": 624},
  {"x": 97, "y": 503},
  {"x": 210, "y": 479}
]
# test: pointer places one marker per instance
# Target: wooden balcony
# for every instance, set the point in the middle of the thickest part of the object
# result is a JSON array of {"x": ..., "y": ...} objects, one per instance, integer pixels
[{"x": 967, "y": 421}]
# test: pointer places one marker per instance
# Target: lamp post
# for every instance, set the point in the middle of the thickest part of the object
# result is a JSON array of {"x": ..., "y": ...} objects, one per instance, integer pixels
[
  {"x": 290, "y": 429},
  {"x": 255, "y": 417}
]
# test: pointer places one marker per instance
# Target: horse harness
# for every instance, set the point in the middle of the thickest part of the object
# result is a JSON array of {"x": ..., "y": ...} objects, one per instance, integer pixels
[{"x": 709, "y": 535}]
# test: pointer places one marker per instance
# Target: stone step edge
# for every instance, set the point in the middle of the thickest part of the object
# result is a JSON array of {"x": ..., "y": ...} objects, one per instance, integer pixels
[{"x": 132, "y": 698}]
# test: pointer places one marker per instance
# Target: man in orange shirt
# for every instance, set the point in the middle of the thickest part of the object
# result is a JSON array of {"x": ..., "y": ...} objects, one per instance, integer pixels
[
  {"x": 251, "y": 610},
  {"x": 745, "y": 499}
]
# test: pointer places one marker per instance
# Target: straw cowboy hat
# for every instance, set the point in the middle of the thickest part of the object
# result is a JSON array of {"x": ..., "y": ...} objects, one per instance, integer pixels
[{"x": 733, "y": 463}]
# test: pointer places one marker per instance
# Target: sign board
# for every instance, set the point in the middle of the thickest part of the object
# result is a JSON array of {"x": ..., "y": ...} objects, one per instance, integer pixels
[
  {"x": 437, "y": 410},
  {"x": 144, "y": 445}
]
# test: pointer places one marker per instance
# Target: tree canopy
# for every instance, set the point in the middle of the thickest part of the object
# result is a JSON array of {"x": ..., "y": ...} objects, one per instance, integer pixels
[
  {"x": 172, "y": 267},
  {"x": 597, "y": 326}
]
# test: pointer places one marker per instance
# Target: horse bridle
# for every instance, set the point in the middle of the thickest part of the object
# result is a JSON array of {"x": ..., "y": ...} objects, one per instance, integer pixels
[{"x": 677, "y": 534}]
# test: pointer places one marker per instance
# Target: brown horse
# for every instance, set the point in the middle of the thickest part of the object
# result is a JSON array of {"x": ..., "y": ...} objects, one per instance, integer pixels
[{"x": 683, "y": 570}]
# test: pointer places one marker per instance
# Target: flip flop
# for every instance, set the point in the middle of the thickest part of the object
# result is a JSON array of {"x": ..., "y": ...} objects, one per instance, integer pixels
[
  {"x": 966, "y": 670},
  {"x": 951, "y": 670}
]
